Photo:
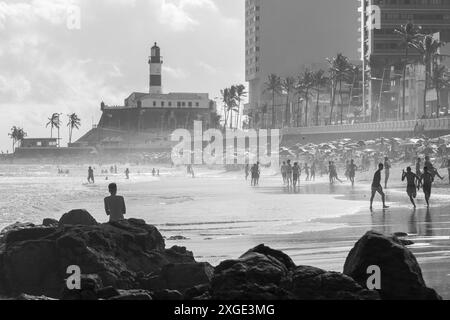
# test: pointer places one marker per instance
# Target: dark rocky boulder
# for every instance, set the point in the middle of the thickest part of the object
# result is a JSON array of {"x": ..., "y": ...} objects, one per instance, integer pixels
[
  {"x": 401, "y": 276},
  {"x": 309, "y": 283},
  {"x": 180, "y": 277},
  {"x": 77, "y": 217},
  {"x": 266, "y": 274},
  {"x": 28, "y": 234},
  {"x": 36, "y": 259},
  {"x": 14, "y": 227},
  {"x": 47, "y": 222}
]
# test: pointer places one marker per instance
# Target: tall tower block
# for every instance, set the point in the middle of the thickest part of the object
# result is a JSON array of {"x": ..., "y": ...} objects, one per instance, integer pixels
[{"x": 155, "y": 62}]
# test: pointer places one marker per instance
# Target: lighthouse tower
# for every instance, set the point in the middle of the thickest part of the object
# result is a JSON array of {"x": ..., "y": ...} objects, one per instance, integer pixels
[{"x": 155, "y": 62}]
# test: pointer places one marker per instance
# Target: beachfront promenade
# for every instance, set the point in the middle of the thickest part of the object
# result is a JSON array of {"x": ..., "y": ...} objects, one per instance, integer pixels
[{"x": 429, "y": 127}]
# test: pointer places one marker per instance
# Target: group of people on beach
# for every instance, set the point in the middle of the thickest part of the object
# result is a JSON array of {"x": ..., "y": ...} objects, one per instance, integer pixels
[
  {"x": 291, "y": 173},
  {"x": 112, "y": 170},
  {"x": 421, "y": 179},
  {"x": 254, "y": 172}
]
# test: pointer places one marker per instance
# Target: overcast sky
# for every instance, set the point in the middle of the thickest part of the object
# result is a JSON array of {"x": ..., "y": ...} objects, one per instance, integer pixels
[{"x": 46, "y": 67}]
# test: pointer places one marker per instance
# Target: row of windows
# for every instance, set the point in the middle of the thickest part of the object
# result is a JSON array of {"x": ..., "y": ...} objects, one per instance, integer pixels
[{"x": 179, "y": 104}]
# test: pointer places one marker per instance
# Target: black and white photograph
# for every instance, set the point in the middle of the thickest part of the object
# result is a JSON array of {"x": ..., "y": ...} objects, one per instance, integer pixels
[{"x": 215, "y": 158}]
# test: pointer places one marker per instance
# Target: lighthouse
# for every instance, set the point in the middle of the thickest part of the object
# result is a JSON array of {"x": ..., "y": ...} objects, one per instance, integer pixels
[{"x": 155, "y": 62}]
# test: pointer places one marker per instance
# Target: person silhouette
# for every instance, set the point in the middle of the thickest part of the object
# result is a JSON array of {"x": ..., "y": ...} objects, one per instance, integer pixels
[
  {"x": 91, "y": 175},
  {"x": 376, "y": 187},
  {"x": 114, "y": 204}
]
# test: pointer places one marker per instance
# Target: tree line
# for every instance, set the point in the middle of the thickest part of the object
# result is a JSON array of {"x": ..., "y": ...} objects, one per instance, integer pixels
[{"x": 18, "y": 134}]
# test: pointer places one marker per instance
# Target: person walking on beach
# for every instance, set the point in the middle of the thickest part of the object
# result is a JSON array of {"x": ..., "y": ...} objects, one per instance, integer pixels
[
  {"x": 352, "y": 171},
  {"x": 411, "y": 188},
  {"x": 154, "y": 172},
  {"x": 289, "y": 173},
  {"x": 283, "y": 172},
  {"x": 427, "y": 180},
  {"x": 306, "y": 168},
  {"x": 91, "y": 175},
  {"x": 254, "y": 172},
  {"x": 247, "y": 171},
  {"x": 295, "y": 175},
  {"x": 334, "y": 171},
  {"x": 114, "y": 204},
  {"x": 376, "y": 187},
  {"x": 330, "y": 172},
  {"x": 387, "y": 171},
  {"x": 431, "y": 169},
  {"x": 313, "y": 171},
  {"x": 127, "y": 174},
  {"x": 347, "y": 170}
]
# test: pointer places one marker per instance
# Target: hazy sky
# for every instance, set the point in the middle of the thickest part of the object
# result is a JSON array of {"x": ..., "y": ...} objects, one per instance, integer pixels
[{"x": 46, "y": 67}]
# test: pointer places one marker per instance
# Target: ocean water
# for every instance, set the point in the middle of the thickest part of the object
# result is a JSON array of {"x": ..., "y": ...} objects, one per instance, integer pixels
[{"x": 214, "y": 204}]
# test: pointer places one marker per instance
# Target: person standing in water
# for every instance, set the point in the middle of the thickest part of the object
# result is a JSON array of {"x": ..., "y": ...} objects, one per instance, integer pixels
[
  {"x": 283, "y": 172},
  {"x": 411, "y": 188},
  {"x": 306, "y": 168},
  {"x": 427, "y": 180},
  {"x": 295, "y": 174},
  {"x": 376, "y": 187},
  {"x": 289, "y": 173},
  {"x": 335, "y": 174},
  {"x": 313, "y": 171},
  {"x": 114, "y": 205},
  {"x": 91, "y": 175},
  {"x": 387, "y": 171},
  {"x": 352, "y": 171},
  {"x": 255, "y": 175}
]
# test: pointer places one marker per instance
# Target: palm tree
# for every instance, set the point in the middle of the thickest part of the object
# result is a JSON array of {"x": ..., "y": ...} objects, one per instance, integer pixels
[
  {"x": 240, "y": 93},
  {"x": 428, "y": 47},
  {"x": 288, "y": 85},
  {"x": 232, "y": 104},
  {"x": 273, "y": 85},
  {"x": 17, "y": 135},
  {"x": 355, "y": 72},
  {"x": 300, "y": 93},
  {"x": 74, "y": 123},
  {"x": 225, "y": 93},
  {"x": 339, "y": 71},
  {"x": 53, "y": 122},
  {"x": 306, "y": 81},
  {"x": 410, "y": 34},
  {"x": 440, "y": 80},
  {"x": 320, "y": 81}
]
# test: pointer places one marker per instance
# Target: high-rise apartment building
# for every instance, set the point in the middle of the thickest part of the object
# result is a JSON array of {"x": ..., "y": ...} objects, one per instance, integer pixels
[{"x": 381, "y": 47}]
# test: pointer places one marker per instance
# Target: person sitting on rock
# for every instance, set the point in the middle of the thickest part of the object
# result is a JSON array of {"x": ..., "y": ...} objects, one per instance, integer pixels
[{"x": 115, "y": 205}]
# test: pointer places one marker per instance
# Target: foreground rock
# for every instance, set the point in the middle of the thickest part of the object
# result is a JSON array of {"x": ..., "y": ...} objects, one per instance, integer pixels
[
  {"x": 77, "y": 217},
  {"x": 401, "y": 276},
  {"x": 266, "y": 274},
  {"x": 179, "y": 277},
  {"x": 34, "y": 259},
  {"x": 127, "y": 260}
]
